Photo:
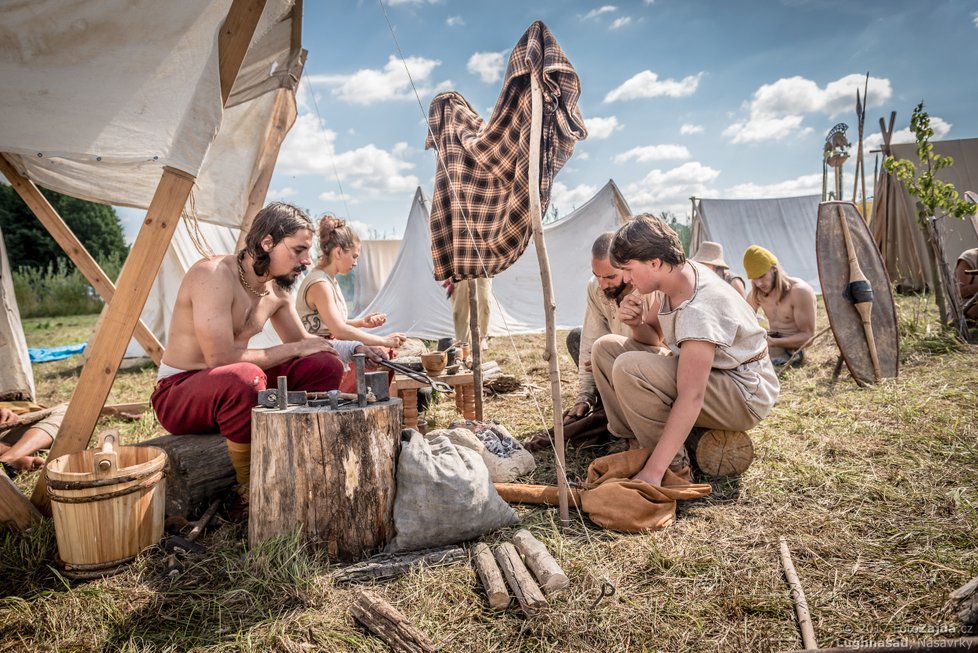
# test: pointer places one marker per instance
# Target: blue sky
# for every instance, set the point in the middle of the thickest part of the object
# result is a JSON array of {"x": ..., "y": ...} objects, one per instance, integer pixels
[{"x": 681, "y": 97}]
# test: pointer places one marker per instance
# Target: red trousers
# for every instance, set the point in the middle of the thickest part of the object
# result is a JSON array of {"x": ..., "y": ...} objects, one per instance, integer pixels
[{"x": 220, "y": 399}]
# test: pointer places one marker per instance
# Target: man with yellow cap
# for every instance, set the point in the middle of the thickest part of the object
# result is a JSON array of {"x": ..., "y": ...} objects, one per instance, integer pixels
[{"x": 788, "y": 304}]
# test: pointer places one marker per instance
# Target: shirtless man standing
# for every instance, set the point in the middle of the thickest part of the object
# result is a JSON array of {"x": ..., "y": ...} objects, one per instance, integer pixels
[
  {"x": 209, "y": 378},
  {"x": 788, "y": 304}
]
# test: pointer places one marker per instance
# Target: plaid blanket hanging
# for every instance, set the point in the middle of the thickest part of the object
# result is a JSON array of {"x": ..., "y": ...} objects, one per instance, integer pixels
[{"x": 481, "y": 198}]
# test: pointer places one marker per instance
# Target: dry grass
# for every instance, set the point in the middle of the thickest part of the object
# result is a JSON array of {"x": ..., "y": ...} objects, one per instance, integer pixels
[{"x": 874, "y": 489}]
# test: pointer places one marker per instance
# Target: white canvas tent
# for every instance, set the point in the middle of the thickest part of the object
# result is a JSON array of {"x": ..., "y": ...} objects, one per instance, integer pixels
[
  {"x": 785, "y": 226},
  {"x": 415, "y": 303},
  {"x": 895, "y": 226},
  {"x": 168, "y": 106},
  {"x": 17, "y": 380},
  {"x": 373, "y": 267}
]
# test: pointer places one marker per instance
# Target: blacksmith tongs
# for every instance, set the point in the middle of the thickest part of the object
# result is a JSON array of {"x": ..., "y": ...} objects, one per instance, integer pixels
[{"x": 420, "y": 377}]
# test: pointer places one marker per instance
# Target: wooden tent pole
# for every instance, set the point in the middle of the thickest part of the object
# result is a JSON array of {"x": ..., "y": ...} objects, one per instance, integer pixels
[
  {"x": 536, "y": 129},
  {"x": 83, "y": 260},
  {"x": 119, "y": 321},
  {"x": 476, "y": 337},
  {"x": 283, "y": 115}
]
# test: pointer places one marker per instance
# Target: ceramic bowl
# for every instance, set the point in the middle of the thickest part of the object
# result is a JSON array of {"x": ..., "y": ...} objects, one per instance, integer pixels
[{"x": 434, "y": 362}]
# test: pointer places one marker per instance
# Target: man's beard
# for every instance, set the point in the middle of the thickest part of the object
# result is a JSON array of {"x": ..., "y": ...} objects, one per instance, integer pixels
[
  {"x": 614, "y": 293},
  {"x": 286, "y": 281}
]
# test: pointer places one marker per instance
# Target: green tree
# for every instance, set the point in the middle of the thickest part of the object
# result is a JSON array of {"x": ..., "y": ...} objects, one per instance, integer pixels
[
  {"x": 683, "y": 229},
  {"x": 934, "y": 198},
  {"x": 29, "y": 244}
]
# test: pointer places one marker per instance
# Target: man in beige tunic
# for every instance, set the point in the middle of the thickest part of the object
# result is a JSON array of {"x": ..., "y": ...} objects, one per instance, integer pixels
[
  {"x": 714, "y": 373},
  {"x": 605, "y": 291}
]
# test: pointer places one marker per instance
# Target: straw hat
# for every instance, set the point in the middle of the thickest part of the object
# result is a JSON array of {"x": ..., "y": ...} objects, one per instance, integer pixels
[{"x": 710, "y": 253}]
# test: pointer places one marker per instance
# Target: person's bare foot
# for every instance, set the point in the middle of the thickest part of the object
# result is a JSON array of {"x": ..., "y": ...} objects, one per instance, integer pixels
[
  {"x": 25, "y": 463},
  {"x": 484, "y": 344}
]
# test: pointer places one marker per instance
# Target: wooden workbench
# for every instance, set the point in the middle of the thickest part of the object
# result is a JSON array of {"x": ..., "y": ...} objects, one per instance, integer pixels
[{"x": 462, "y": 383}]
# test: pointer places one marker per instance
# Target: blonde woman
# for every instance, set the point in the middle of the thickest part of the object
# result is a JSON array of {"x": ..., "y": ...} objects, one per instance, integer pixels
[{"x": 320, "y": 301}]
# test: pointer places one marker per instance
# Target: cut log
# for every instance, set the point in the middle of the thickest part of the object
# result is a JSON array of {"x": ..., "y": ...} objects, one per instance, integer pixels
[
  {"x": 525, "y": 589},
  {"x": 721, "y": 453},
  {"x": 386, "y": 622},
  {"x": 198, "y": 471},
  {"x": 491, "y": 577},
  {"x": 550, "y": 576},
  {"x": 964, "y": 602},
  {"x": 328, "y": 472},
  {"x": 387, "y": 566}
]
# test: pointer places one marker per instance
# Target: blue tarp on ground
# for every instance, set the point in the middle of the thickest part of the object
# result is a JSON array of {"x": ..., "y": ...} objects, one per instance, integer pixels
[{"x": 48, "y": 354}]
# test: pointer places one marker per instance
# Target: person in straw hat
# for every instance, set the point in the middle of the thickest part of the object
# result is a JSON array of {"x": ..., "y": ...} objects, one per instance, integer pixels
[
  {"x": 710, "y": 254},
  {"x": 788, "y": 304},
  {"x": 713, "y": 371}
]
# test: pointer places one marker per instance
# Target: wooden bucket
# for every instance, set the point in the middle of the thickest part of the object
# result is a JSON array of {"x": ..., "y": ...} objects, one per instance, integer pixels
[{"x": 107, "y": 505}]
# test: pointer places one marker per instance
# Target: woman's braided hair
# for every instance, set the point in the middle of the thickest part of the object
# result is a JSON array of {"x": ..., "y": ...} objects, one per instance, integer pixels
[{"x": 334, "y": 233}]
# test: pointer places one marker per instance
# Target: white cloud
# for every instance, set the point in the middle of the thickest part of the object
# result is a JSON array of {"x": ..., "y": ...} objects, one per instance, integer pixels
[
  {"x": 976, "y": 19},
  {"x": 488, "y": 66},
  {"x": 620, "y": 22},
  {"x": 777, "y": 110},
  {"x": 594, "y": 13},
  {"x": 395, "y": 3},
  {"x": 804, "y": 185},
  {"x": 310, "y": 149},
  {"x": 601, "y": 128},
  {"x": 687, "y": 128},
  {"x": 874, "y": 140},
  {"x": 281, "y": 193},
  {"x": 765, "y": 128},
  {"x": 646, "y": 84},
  {"x": 582, "y": 156},
  {"x": 454, "y": 21},
  {"x": 670, "y": 190},
  {"x": 368, "y": 86},
  {"x": 567, "y": 199},
  {"x": 653, "y": 153}
]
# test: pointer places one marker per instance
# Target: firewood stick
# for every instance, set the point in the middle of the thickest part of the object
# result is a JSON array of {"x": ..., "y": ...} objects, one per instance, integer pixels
[
  {"x": 491, "y": 577},
  {"x": 525, "y": 589},
  {"x": 386, "y": 622},
  {"x": 798, "y": 597},
  {"x": 27, "y": 419},
  {"x": 550, "y": 576}
]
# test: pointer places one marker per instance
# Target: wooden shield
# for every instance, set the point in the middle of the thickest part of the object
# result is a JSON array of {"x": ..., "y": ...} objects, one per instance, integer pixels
[{"x": 834, "y": 274}]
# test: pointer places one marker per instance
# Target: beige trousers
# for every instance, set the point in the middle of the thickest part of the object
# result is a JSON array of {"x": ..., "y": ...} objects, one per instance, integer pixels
[
  {"x": 460, "y": 307},
  {"x": 638, "y": 386}
]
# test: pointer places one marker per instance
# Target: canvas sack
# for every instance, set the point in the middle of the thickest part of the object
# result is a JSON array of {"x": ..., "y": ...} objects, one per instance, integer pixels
[{"x": 444, "y": 495}]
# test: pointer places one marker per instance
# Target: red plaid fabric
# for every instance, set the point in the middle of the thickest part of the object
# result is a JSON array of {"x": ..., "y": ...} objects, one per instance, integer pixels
[{"x": 481, "y": 198}]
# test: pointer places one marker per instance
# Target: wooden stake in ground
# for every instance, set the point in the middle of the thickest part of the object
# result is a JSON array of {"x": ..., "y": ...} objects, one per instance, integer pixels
[
  {"x": 476, "y": 346},
  {"x": 491, "y": 576},
  {"x": 536, "y": 128},
  {"x": 798, "y": 596},
  {"x": 543, "y": 565},
  {"x": 525, "y": 589},
  {"x": 386, "y": 622}
]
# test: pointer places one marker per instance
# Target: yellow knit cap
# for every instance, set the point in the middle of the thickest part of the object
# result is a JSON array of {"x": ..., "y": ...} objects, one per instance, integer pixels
[{"x": 757, "y": 261}]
